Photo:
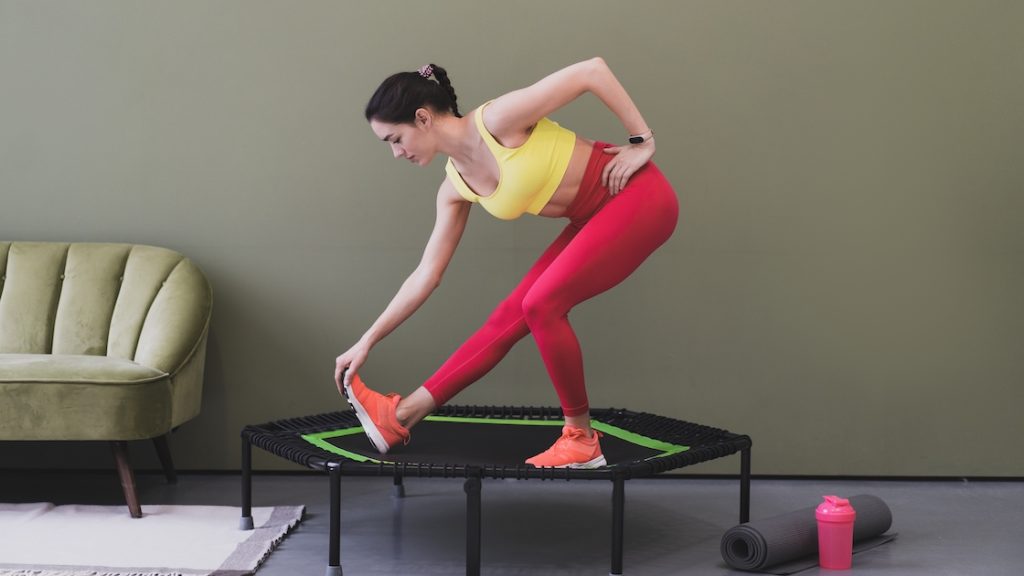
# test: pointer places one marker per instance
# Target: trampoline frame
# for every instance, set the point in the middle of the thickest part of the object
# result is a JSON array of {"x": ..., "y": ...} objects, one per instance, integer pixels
[{"x": 283, "y": 438}]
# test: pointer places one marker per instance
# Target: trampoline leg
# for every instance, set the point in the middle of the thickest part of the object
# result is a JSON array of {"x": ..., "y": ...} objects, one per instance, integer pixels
[
  {"x": 245, "y": 522},
  {"x": 745, "y": 486},
  {"x": 399, "y": 489},
  {"x": 618, "y": 521},
  {"x": 334, "y": 546},
  {"x": 473, "y": 487}
]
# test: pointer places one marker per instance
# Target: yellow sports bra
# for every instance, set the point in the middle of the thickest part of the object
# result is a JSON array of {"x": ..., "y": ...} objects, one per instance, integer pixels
[{"x": 528, "y": 175}]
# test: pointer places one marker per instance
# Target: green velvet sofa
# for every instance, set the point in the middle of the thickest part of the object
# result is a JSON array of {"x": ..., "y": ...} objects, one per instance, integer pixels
[{"x": 101, "y": 342}]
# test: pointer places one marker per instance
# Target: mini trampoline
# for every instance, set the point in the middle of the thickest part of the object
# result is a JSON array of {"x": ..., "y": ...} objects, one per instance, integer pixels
[{"x": 459, "y": 442}]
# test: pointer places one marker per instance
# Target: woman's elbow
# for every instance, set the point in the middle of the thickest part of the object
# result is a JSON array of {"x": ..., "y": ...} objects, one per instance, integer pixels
[
  {"x": 435, "y": 281},
  {"x": 595, "y": 72},
  {"x": 431, "y": 279}
]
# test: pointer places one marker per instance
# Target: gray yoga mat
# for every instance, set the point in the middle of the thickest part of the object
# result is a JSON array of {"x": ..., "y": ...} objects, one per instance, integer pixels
[{"x": 788, "y": 543}]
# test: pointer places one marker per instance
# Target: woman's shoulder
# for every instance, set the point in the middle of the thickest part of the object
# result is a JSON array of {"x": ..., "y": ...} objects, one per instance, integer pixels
[
  {"x": 502, "y": 123},
  {"x": 453, "y": 189}
]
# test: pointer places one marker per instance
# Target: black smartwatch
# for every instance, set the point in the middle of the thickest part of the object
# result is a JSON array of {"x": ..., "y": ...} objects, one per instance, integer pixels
[{"x": 641, "y": 138}]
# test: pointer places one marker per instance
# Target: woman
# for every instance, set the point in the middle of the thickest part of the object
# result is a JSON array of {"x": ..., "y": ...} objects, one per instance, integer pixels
[{"x": 507, "y": 156}]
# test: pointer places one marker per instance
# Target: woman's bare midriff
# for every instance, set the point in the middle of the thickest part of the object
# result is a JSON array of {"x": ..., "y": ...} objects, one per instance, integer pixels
[{"x": 570, "y": 184}]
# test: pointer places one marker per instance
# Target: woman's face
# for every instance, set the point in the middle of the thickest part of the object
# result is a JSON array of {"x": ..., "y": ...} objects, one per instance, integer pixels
[{"x": 409, "y": 141}]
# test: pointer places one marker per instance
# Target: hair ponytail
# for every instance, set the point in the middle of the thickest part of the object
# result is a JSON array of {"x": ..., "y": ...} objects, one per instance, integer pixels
[
  {"x": 400, "y": 95},
  {"x": 442, "y": 79}
]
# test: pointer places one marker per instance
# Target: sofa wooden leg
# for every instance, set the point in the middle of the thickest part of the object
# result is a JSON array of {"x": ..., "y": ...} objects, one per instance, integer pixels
[
  {"x": 163, "y": 450},
  {"x": 124, "y": 470}
]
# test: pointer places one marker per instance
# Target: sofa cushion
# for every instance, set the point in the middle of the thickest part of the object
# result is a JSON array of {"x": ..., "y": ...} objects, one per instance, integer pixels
[
  {"x": 77, "y": 397},
  {"x": 62, "y": 369}
]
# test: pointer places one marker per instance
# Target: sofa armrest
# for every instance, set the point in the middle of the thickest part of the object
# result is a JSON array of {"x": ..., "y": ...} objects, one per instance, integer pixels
[{"x": 177, "y": 320}]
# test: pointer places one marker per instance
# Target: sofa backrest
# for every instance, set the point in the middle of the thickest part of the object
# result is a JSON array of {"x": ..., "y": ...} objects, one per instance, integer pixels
[{"x": 142, "y": 303}]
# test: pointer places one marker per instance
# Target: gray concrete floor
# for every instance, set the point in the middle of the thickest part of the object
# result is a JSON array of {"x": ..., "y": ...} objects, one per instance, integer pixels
[{"x": 673, "y": 526}]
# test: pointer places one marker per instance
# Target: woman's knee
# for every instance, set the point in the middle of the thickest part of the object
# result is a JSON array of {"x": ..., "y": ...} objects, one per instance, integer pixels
[
  {"x": 507, "y": 312},
  {"x": 539, "y": 308}
]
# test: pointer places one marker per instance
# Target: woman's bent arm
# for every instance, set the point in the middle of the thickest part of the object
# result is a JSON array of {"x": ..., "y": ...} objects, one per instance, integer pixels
[
  {"x": 520, "y": 109},
  {"x": 509, "y": 116},
  {"x": 452, "y": 214}
]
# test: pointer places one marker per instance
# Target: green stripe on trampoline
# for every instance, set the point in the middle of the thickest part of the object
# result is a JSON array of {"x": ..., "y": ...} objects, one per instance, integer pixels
[
  {"x": 666, "y": 448},
  {"x": 517, "y": 422},
  {"x": 320, "y": 441}
]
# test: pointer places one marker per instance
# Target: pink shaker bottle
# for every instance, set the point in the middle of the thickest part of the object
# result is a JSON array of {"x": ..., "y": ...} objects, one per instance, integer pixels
[{"x": 835, "y": 533}]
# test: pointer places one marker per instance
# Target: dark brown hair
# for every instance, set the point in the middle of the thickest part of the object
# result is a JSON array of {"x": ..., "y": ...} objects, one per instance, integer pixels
[{"x": 400, "y": 95}]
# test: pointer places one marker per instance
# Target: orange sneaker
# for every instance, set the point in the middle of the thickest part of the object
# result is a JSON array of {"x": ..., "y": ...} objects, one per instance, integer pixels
[
  {"x": 376, "y": 413},
  {"x": 572, "y": 450}
]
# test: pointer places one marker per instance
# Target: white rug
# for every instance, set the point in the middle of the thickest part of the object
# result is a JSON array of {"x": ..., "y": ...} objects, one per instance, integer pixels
[{"x": 46, "y": 540}]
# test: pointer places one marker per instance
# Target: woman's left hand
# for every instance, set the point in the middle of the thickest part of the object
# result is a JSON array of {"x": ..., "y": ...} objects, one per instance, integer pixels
[{"x": 628, "y": 159}]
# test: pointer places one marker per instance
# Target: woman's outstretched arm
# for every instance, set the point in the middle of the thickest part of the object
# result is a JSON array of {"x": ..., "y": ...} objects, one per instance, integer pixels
[{"x": 450, "y": 222}]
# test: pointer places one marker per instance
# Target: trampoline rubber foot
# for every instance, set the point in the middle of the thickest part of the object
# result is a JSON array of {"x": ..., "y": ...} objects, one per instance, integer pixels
[
  {"x": 245, "y": 523},
  {"x": 398, "y": 492},
  {"x": 333, "y": 571}
]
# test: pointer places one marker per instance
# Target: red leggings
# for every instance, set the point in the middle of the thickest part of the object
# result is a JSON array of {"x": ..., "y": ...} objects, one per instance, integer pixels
[{"x": 607, "y": 238}]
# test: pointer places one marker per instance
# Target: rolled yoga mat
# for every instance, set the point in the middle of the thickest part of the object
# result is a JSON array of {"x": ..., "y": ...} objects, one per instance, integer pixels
[{"x": 789, "y": 543}]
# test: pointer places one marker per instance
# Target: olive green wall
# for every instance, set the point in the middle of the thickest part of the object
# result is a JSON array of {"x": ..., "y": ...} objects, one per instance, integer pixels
[{"x": 845, "y": 285}]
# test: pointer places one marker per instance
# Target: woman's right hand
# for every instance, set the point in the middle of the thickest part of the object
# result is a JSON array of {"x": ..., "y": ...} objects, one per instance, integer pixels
[{"x": 347, "y": 365}]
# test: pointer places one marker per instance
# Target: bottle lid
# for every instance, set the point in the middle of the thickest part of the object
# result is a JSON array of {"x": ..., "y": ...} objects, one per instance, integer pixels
[{"x": 835, "y": 509}]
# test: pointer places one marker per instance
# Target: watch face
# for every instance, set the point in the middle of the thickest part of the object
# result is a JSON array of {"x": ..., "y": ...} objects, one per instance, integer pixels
[{"x": 636, "y": 139}]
